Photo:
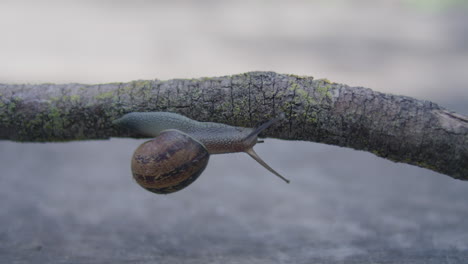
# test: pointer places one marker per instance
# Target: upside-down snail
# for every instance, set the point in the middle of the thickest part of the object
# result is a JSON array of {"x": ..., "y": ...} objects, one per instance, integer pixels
[{"x": 181, "y": 148}]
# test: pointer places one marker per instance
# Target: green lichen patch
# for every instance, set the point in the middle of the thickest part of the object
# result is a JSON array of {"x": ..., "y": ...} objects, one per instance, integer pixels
[
  {"x": 301, "y": 96},
  {"x": 11, "y": 106},
  {"x": 74, "y": 98},
  {"x": 7, "y": 108},
  {"x": 54, "y": 119},
  {"x": 2, "y": 104},
  {"x": 299, "y": 77},
  {"x": 104, "y": 96},
  {"x": 140, "y": 89},
  {"x": 325, "y": 81},
  {"x": 141, "y": 83},
  {"x": 205, "y": 79},
  {"x": 323, "y": 89}
]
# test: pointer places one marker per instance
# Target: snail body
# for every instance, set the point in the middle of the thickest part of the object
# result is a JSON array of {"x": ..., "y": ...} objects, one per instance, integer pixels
[
  {"x": 217, "y": 138},
  {"x": 180, "y": 150}
]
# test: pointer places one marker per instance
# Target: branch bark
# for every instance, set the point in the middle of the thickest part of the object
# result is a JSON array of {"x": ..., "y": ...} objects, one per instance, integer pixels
[{"x": 398, "y": 128}]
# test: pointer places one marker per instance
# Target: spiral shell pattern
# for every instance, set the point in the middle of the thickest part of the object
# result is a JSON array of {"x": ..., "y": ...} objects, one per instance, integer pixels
[{"x": 169, "y": 162}]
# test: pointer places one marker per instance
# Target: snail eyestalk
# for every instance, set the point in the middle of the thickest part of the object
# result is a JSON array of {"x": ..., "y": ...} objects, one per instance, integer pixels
[
  {"x": 264, "y": 126},
  {"x": 255, "y": 156}
]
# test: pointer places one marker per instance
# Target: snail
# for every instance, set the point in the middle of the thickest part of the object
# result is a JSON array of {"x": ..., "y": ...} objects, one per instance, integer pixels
[{"x": 181, "y": 147}]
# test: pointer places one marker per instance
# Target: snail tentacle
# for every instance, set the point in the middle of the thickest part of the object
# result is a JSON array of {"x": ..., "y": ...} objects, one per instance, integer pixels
[{"x": 255, "y": 156}]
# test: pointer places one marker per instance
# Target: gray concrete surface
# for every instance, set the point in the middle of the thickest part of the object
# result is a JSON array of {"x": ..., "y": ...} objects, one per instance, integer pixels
[{"x": 77, "y": 203}]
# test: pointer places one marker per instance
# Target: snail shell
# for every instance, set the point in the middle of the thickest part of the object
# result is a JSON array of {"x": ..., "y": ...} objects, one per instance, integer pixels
[{"x": 169, "y": 162}]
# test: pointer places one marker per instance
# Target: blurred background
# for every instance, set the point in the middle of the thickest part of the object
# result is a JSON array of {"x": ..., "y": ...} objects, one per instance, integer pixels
[{"x": 77, "y": 203}]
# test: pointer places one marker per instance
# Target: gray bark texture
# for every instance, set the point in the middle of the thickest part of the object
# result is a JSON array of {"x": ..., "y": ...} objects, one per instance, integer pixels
[{"x": 398, "y": 128}]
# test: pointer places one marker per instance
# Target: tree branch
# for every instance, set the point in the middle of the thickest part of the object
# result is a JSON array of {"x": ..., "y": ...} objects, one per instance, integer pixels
[{"x": 398, "y": 128}]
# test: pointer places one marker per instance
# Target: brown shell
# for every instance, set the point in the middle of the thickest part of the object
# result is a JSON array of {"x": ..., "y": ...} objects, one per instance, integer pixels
[{"x": 169, "y": 162}]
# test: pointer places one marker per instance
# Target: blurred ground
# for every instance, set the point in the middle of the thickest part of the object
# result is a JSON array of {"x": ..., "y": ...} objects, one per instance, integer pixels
[{"x": 76, "y": 202}]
